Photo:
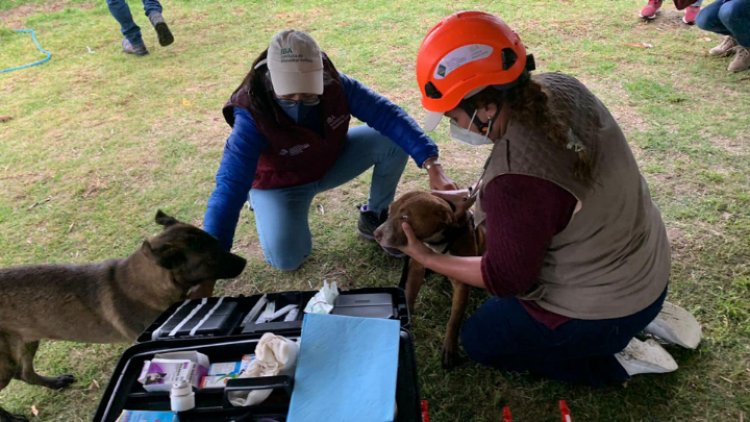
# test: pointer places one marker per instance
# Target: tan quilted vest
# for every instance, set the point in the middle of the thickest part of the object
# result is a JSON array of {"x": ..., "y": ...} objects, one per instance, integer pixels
[{"x": 613, "y": 258}]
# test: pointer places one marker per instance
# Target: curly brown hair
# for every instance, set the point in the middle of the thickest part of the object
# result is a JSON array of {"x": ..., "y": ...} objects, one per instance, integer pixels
[{"x": 530, "y": 105}]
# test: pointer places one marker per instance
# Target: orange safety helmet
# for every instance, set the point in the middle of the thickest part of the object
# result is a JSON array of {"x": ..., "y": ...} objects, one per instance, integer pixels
[{"x": 463, "y": 53}]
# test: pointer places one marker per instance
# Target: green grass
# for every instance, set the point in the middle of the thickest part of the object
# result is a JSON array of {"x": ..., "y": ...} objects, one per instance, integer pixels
[{"x": 98, "y": 141}]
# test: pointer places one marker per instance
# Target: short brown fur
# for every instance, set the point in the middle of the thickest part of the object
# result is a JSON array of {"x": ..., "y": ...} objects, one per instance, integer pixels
[{"x": 435, "y": 221}]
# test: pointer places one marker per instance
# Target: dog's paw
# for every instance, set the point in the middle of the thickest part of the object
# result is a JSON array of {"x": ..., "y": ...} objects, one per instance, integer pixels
[
  {"x": 7, "y": 417},
  {"x": 449, "y": 359},
  {"x": 62, "y": 381}
]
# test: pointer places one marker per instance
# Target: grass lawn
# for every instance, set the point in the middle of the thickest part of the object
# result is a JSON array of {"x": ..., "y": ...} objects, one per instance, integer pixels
[{"x": 93, "y": 142}]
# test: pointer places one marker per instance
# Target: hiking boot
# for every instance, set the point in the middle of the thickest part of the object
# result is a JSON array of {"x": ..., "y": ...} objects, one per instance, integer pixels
[
  {"x": 368, "y": 222},
  {"x": 741, "y": 59},
  {"x": 675, "y": 325},
  {"x": 691, "y": 12},
  {"x": 725, "y": 48},
  {"x": 136, "y": 49},
  {"x": 649, "y": 10},
  {"x": 645, "y": 357},
  {"x": 162, "y": 30}
]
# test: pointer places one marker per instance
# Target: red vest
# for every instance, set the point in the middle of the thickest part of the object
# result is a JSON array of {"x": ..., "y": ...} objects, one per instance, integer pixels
[{"x": 296, "y": 154}]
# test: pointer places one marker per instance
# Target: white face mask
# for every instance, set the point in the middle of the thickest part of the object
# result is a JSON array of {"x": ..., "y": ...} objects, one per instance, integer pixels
[{"x": 467, "y": 136}]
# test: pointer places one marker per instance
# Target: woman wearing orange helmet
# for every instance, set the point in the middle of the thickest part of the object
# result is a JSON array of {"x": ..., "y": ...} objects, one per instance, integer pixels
[{"x": 577, "y": 258}]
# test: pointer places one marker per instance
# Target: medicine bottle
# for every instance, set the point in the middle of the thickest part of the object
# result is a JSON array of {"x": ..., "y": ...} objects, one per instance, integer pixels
[{"x": 181, "y": 397}]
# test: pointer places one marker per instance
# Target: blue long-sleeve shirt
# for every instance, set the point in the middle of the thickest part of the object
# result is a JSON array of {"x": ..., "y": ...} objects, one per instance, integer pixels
[{"x": 245, "y": 145}]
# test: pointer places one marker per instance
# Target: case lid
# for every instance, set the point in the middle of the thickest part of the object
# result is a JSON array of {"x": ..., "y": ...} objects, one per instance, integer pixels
[{"x": 279, "y": 312}]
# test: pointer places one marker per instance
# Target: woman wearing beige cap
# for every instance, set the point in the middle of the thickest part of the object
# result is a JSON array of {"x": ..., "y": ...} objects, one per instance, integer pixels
[{"x": 291, "y": 140}]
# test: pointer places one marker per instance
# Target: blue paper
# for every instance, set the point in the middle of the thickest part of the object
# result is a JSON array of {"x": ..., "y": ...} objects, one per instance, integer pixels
[
  {"x": 147, "y": 416},
  {"x": 346, "y": 370}
]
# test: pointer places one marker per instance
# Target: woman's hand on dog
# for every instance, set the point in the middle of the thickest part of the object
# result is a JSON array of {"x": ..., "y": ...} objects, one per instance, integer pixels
[
  {"x": 465, "y": 269},
  {"x": 414, "y": 247}
]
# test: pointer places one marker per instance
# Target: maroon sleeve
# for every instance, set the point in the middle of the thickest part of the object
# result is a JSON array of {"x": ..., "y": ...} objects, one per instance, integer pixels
[{"x": 523, "y": 213}]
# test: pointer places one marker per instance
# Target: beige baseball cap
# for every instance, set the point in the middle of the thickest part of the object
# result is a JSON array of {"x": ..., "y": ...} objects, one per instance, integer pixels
[{"x": 295, "y": 64}]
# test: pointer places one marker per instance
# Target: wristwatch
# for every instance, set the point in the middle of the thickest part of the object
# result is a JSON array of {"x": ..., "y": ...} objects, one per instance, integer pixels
[{"x": 427, "y": 165}]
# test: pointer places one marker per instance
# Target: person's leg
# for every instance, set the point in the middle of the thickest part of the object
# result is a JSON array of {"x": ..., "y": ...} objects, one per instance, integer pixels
[
  {"x": 153, "y": 10},
  {"x": 151, "y": 6},
  {"x": 365, "y": 148},
  {"x": 121, "y": 12},
  {"x": 503, "y": 335},
  {"x": 735, "y": 17},
  {"x": 708, "y": 18},
  {"x": 281, "y": 219}
]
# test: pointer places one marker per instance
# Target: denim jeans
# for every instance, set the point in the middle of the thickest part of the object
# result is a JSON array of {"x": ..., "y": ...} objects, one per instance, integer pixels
[
  {"x": 502, "y": 334},
  {"x": 281, "y": 215},
  {"x": 121, "y": 12},
  {"x": 727, "y": 17}
]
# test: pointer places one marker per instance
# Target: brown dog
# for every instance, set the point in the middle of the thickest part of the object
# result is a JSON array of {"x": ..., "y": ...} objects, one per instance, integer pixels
[
  {"x": 107, "y": 302},
  {"x": 443, "y": 223}
]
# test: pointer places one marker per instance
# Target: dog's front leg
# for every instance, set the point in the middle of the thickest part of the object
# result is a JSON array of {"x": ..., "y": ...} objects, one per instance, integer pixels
[
  {"x": 24, "y": 355},
  {"x": 415, "y": 274},
  {"x": 458, "y": 309},
  {"x": 6, "y": 374}
]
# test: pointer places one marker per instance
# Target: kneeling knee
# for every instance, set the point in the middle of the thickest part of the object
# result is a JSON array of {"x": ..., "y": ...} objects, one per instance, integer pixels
[{"x": 471, "y": 342}]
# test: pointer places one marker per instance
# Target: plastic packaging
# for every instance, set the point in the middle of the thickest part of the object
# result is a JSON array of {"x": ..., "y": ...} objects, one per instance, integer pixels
[{"x": 181, "y": 397}]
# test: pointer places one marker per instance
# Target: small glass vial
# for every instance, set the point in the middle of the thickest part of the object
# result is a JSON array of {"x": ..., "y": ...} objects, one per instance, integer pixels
[{"x": 181, "y": 397}]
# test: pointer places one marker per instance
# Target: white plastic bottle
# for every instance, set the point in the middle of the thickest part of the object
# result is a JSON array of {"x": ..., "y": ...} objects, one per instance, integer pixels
[{"x": 181, "y": 397}]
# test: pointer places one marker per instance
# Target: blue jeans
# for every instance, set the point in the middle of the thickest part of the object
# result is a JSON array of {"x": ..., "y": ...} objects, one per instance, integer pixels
[
  {"x": 120, "y": 11},
  {"x": 503, "y": 335},
  {"x": 727, "y": 17},
  {"x": 281, "y": 215}
]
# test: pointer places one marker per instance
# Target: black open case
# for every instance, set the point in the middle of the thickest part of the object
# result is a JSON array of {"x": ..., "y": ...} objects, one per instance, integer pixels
[{"x": 226, "y": 337}]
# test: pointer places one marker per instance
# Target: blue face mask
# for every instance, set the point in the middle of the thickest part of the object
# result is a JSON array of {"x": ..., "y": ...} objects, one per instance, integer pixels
[{"x": 297, "y": 111}]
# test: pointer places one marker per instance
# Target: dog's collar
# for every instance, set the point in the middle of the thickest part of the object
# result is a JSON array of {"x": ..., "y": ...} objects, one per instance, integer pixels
[{"x": 441, "y": 247}]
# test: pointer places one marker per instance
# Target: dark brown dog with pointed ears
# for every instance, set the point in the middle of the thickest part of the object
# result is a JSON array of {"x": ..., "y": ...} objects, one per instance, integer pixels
[
  {"x": 443, "y": 222},
  {"x": 107, "y": 302}
]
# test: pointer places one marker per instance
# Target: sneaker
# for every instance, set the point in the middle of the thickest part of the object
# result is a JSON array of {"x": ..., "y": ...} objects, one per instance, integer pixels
[
  {"x": 649, "y": 10},
  {"x": 675, "y": 325},
  {"x": 725, "y": 48},
  {"x": 741, "y": 59},
  {"x": 162, "y": 30},
  {"x": 136, "y": 49},
  {"x": 691, "y": 12},
  {"x": 645, "y": 357},
  {"x": 368, "y": 222}
]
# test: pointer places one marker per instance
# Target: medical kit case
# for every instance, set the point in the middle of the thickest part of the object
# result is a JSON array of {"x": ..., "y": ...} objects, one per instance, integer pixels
[{"x": 227, "y": 329}]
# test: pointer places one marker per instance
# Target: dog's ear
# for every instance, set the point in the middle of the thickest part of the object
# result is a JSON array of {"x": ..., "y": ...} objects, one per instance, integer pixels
[
  {"x": 166, "y": 256},
  {"x": 164, "y": 219},
  {"x": 462, "y": 209},
  {"x": 461, "y": 201}
]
